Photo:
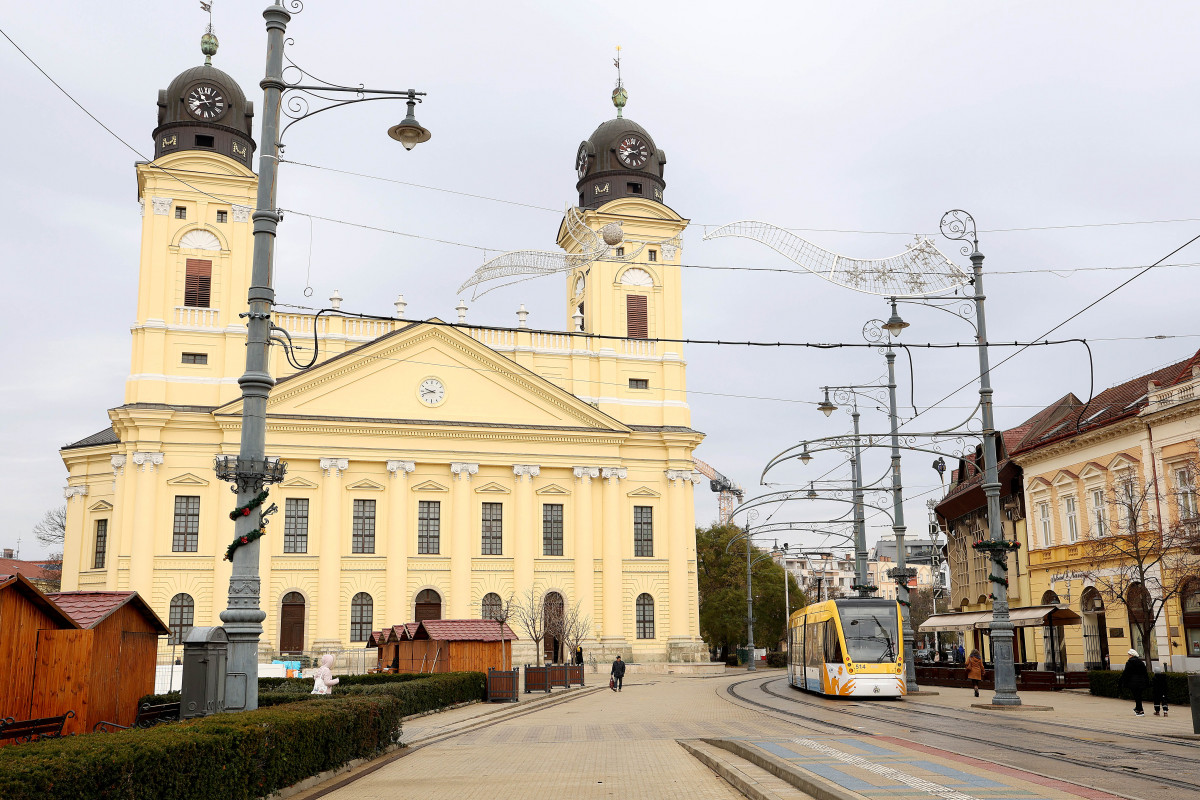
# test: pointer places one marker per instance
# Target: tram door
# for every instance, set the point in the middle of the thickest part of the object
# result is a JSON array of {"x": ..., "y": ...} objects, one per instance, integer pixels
[{"x": 814, "y": 655}]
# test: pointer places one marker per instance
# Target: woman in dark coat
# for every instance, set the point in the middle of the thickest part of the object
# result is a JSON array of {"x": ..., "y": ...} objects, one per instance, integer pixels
[
  {"x": 1134, "y": 679},
  {"x": 975, "y": 670}
]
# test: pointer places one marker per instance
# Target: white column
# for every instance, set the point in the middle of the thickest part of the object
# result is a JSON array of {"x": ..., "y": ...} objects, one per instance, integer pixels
[
  {"x": 613, "y": 622},
  {"x": 329, "y": 556},
  {"x": 144, "y": 546},
  {"x": 396, "y": 592},
  {"x": 677, "y": 573},
  {"x": 119, "y": 536},
  {"x": 525, "y": 539},
  {"x": 459, "y": 602},
  {"x": 78, "y": 546},
  {"x": 583, "y": 549}
]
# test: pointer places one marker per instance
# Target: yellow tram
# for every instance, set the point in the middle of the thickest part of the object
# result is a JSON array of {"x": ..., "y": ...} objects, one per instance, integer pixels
[{"x": 849, "y": 647}]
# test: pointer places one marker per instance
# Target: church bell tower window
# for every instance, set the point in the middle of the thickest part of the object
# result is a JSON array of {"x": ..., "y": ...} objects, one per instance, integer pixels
[
  {"x": 636, "y": 317},
  {"x": 197, "y": 284}
]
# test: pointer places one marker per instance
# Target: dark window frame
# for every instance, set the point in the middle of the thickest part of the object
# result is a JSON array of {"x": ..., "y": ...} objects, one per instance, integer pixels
[
  {"x": 180, "y": 212},
  {"x": 295, "y": 525},
  {"x": 643, "y": 531},
  {"x": 197, "y": 283},
  {"x": 491, "y": 529},
  {"x": 652, "y": 255},
  {"x": 200, "y": 359},
  {"x": 429, "y": 527},
  {"x": 222, "y": 216},
  {"x": 185, "y": 533},
  {"x": 101, "y": 552},
  {"x": 639, "y": 383},
  {"x": 552, "y": 529},
  {"x": 492, "y": 606},
  {"x": 181, "y": 616},
  {"x": 362, "y": 535},
  {"x": 644, "y": 615},
  {"x": 362, "y": 617}
]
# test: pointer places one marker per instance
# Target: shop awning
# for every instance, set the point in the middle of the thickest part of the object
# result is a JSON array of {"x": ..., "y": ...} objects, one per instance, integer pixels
[
  {"x": 957, "y": 621},
  {"x": 1031, "y": 616}
]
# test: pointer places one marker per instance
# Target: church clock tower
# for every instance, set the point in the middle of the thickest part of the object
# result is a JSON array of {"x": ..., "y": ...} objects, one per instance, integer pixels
[{"x": 196, "y": 198}]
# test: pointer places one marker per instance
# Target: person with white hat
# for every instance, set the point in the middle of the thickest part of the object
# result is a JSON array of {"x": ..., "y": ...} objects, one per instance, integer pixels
[{"x": 1135, "y": 680}]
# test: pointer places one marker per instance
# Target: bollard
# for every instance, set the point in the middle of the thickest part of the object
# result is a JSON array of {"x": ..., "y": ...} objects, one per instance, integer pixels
[{"x": 1194, "y": 697}]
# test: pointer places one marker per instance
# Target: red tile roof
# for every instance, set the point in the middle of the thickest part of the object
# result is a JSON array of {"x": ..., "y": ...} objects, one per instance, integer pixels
[
  {"x": 34, "y": 570},
  {"x": 475, "y": 630},
  {"x": 89, "y": 609}
]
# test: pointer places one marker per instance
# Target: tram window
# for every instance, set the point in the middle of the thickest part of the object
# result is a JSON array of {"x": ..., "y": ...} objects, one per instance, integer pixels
[
  {"x": 871, "y": 635},
  {"x": 833, "y": 647}
]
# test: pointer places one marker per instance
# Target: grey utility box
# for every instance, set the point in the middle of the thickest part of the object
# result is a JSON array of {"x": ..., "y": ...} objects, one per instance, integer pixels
[{"x": 205, "y": 652}]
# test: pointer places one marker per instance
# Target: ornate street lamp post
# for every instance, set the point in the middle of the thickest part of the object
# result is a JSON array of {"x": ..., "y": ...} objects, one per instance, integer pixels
[{"x": 251, "y": 471}]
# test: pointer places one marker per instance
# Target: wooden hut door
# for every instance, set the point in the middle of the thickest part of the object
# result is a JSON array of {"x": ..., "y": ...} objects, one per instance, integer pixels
[
  {"x": 429, "y": 605},
  {"x": 291, "y": 623},
  {"x": 62, "y": 677}
]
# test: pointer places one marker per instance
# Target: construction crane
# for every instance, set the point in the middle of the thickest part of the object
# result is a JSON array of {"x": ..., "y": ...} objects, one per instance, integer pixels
[{"x": 727, "y": 491}]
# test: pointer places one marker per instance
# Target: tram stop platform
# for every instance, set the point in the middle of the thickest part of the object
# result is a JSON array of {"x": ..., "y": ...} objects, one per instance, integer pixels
[{"x": 870, "y": 768}]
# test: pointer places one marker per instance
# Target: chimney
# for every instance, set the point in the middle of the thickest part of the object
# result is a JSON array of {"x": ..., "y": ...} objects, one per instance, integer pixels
[{"x": 8, "y": 553}]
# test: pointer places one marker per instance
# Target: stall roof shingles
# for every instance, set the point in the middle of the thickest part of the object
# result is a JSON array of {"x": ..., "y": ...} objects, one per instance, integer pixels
[
  {"x": 89, "y": 609},
  {"x": 475, "y": 630}
]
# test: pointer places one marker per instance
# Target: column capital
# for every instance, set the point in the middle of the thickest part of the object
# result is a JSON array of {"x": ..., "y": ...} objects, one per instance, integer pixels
[
  {"x": 462, "y": 469},
  {"x": 146, "y": 459},
  {"x": 617, "y": 473},
  {"x": 334, "y": 466},
  {"x": 74, "y": 491},
  {"x": 162, "y": 205},
  {"x": 530, "y": 471},
  {"x": 680, "y": 475},
  {"x": 401, "y": 468},
  {"x": 587, "y": 472},
  {"x": 241, "y": 213},
  {"x": 118, "y": 464}
]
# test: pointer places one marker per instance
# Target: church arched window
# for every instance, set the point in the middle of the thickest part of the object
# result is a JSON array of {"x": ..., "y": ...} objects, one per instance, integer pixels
[
  {"x": 182, "y": 614},
  {"x": 362, "y": 615}
]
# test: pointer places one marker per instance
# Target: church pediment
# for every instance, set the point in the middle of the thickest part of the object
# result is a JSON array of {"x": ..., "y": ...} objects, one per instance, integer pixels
[
  {"x": 430, "y": 375},
  {"x": 430, "y": 486},
  {"x": 493, "y": 488},
  {"x": 298, "y": 483},
  {"x": 187, "y": 479},
  {"x": 643, "y": 491},
  {"x": 367, "y": 485},
  {"x": 100, "y": 505},
  {"x": 553, "y": 488}
]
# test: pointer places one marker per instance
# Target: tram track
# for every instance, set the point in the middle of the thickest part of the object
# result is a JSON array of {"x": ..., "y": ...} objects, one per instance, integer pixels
[{"x": 1048, "y": 752}]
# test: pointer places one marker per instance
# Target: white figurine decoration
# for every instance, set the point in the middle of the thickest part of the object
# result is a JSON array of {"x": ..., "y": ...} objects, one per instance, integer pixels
[{"x": 323, "y": 680}]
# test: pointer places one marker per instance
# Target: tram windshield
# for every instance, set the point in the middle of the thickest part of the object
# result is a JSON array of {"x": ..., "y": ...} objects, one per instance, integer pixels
[{"x": 870, "y": 630}]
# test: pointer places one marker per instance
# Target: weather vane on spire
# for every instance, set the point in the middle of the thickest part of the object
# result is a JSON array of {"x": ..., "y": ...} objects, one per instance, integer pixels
[
  {"x": 619, "y": 95},
  {"x": 208, "y": 42}
]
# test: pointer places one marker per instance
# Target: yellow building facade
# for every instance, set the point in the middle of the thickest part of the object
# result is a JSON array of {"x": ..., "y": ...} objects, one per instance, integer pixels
[
  {"x": 433, "y": 469},
  {"x": 1138, "y": 438}
]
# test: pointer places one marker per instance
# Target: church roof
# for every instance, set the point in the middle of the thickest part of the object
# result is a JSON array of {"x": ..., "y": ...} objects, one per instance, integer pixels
[{"x": 106, "y": 436}]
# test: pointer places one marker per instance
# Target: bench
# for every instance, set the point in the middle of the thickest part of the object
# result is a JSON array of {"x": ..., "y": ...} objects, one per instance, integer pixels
[
  {"x": 30, "y": 730},
  {"x": 147, "y": 716}
]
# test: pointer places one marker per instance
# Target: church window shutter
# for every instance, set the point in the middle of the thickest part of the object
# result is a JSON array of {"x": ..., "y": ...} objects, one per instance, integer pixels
[
  {"x": 197, "y": 284},
  {"x": 635, "y": 315}
]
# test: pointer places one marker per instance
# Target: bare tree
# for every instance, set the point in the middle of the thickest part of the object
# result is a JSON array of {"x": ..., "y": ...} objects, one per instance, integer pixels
[
  {"x": 529, "y": 613},
  {"x": 577, "y": 626},
  {"x": 502, "y": 614},
  {"x": 51, "y": 531},
  {"x": 1147, "y": 558}
]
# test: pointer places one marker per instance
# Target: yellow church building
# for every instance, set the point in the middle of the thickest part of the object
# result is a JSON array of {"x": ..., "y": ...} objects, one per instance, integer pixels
[{"x": 433, "y": 469}]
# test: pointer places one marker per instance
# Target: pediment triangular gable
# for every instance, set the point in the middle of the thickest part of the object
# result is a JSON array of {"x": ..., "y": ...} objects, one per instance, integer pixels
[
  {"x": 644, "y": 491},
  {"x": 298, "y": 483},
  {"x": 553, "y": 488},
  {"x": 1038, "y": 484},
  {"x": 1064, "y": 478},
  {"x": 430, "y": 486},
  {"x": 366, "y": 484},
  {"x": 100, "y": 505},
  {"x": 1123, "y": 461},
  {"x": 492, "y": 488},
  {"x": 187, "y": 479},
  {"x": 379, "y": 381},
  {"x": 1092, "y": 471}
]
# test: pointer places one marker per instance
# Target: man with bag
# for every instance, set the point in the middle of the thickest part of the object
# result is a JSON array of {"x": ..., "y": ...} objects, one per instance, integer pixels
[{"x": 617, "y": 675}]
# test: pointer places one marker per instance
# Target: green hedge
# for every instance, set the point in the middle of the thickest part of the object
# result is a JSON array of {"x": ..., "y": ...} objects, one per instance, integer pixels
[
  {"x": 776, "y": 660},
  {"x": 298, "y": 686},
  {"x": 232, "y": 756},
  {"x": 1103, "y": 683}
]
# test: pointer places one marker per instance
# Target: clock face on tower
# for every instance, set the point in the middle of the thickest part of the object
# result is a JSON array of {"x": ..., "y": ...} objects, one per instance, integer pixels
[
  {"x": 205, "y": 102},
  {"x": 632, "y": 151},
  {"x": 431, "y": 391},
  {"x": 581, "y": 160}
]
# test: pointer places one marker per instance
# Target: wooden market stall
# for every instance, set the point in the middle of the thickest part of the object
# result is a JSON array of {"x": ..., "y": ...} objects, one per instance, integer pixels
[
  {"x": 27, "y": 617},
  {"x": 102, "y": 674},
  {"x": 444, "y": 645}
]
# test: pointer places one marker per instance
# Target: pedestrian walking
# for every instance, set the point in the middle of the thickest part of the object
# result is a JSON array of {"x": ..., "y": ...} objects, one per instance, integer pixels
[
  {"x": 1158, "y": 688},
  {"x": 1134, "y": 679},
  {"x": 618, "y": 674},
  {"x": 975, "y": 670},
  {"x": 579, "y": 655},
  {"x": 959, "y": 653}
]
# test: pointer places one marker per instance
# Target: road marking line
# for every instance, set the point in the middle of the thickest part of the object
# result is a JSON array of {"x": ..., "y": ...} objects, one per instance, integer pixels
[{"x": 929, "y": 787}]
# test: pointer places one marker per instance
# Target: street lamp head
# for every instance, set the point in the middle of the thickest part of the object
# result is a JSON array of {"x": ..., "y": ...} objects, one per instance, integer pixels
[
  {"x": 409, "y": 132},
  {"x": 894, "y": 324},
  {"x": 805, "y": 456},
  {"x": 811, "y": 491},
  {"x": 826, "y": 407}
]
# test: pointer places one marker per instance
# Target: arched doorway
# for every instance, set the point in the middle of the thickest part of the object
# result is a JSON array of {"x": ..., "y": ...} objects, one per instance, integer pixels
[
  {"x": 553, "y": 607},
  {"x": 1095, "y": 630},
  {"x": 1053, "y": 643},
  {"x": 1141, "y": 612},
  {"x": 429, "y": 605},
  {"x": 291, "y": 623}
]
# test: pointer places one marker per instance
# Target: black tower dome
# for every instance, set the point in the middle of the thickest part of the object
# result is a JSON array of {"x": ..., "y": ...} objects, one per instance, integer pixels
[
  {"x": 205, "y": 109},
  {"x": 619, "y": 160}
]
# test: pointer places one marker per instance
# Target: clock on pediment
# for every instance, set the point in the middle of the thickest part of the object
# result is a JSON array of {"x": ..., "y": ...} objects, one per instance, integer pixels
[{"x": 432, "y": 392}]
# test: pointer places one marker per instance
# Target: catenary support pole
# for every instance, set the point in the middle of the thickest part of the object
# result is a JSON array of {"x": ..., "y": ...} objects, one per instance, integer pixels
[{"x": 901, "y": 570}]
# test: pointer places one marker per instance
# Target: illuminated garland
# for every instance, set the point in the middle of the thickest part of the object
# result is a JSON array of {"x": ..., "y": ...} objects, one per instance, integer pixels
[
  {"x": 1003, "y": 545},
  {"x": 864, "y": 588},
  {"x": 249, "y": 536}
]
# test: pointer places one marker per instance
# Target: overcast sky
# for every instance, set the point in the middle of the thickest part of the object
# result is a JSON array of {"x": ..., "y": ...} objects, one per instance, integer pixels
[{"x": 855, "y": 117}]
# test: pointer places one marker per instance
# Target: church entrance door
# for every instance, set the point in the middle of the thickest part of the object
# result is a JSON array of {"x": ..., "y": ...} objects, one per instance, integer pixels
[{"x": 291, "y": 623}]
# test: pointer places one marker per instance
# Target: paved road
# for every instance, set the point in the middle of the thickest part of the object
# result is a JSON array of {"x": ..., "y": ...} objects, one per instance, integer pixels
[
  {"x": 1089, "y": 741},
  {"x": 599, "y": 744}
]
